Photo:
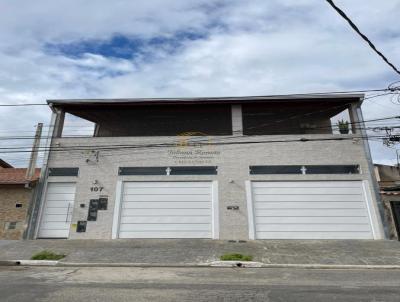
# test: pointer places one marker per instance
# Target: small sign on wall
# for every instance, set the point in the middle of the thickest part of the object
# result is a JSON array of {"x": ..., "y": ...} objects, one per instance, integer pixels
[
  {"x": 92, "y": 212},
  {"x": 81, "y": 226},
  {"x": 103, "y": 201}
]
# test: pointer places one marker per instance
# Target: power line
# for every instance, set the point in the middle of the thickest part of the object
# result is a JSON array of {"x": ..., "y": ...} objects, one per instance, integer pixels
[
  {"x": 21, "y": 105},
  {"x": 356, "y": 29},
  {"x": 258, "y": 126},
  {"x": 164, "y": 145}
]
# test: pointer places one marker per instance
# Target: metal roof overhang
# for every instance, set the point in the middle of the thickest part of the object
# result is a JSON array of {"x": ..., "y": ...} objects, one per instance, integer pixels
[
  {"x": 88, "y": 108},
  {"x": 62, "y": 103}
]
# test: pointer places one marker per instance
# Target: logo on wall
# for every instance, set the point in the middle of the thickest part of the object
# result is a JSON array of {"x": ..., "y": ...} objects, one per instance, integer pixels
[{"x": 193, "y": 148}]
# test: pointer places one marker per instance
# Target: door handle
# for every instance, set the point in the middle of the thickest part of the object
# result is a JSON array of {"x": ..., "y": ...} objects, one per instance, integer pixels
[{"x": 66, "y": 218}]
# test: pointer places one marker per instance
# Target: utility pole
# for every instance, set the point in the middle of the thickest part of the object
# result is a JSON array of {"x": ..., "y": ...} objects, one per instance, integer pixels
[{"x": 30, "y": 172}]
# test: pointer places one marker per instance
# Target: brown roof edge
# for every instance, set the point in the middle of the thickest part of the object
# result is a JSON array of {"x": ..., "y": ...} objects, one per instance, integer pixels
[
  {"x": 16, "y": 176},
  {"x": 4, "y": 164}
]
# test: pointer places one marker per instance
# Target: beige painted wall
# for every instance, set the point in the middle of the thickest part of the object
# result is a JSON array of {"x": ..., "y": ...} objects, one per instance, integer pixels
[{"x": 233, "y": 161}]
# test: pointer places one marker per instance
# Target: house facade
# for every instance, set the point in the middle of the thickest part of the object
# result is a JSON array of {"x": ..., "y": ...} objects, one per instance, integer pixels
[
  {"x": 16, "y": 193},
  {"x": 389, "y": 184},
  {"x": 237, "y": 168}
]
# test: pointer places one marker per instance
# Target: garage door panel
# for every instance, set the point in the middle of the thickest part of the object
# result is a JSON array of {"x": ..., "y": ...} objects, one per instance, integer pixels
[
  {"x": 54, "y": 225},
  {"x": 166, "y": 184},
  {"x": 45, "y": 233},
  {"x": 315, "y": 198},
  {"x": 310, "y": 210},
  {"x": 165, "y": 235},
  {"x": 315, "y": 227},
  {"x": 161, "y": 227},
  {"x": 60, "y": 196},
  {"x": 310, "y": 205},
  {"x": 307, "y": 184},
  {"x": 54, "y": 218},
  {"x": 59, "y": 188},
  {"x": 314, "y": 235},
  {"x": 56, "y": 211},
  {"x": 307, "y": 191},
  {"x": 168, "y": 191},
  {"x": 166, "y": 198},
  {"x": 166, "y": 210},
  {"x": 166, "y": 205},
  {"x": 308, "y": 219},
  {"x": 166, "y": 219},
  {"x": 57, "y": 203}
]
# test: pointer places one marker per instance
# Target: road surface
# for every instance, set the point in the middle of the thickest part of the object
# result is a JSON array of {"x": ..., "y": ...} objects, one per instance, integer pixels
[{"x": 31, "y": 284}]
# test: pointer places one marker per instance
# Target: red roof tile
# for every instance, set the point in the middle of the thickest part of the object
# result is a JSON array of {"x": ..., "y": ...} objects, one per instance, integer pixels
[{"x": 16, "y": 176}]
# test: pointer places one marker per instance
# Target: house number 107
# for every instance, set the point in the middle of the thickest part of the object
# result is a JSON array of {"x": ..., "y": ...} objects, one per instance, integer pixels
[{"x": 96, "y": 189}]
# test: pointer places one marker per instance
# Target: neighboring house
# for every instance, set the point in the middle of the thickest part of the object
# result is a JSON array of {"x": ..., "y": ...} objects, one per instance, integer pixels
[
  {"x": 15, "y": 197},
  {"x": 233, "y": 168},
  {"x": 389, "y": 182}
]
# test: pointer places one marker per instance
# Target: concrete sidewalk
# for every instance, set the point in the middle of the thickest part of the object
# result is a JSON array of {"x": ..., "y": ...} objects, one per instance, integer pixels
[{"x": 195, "y": 251}]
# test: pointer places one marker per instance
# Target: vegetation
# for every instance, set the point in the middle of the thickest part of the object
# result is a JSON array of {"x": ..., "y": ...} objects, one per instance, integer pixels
[
  {"x": 47, "y": 255},
  {"x": 343, "y": 126},
  {"x": 236, "y": 257}
]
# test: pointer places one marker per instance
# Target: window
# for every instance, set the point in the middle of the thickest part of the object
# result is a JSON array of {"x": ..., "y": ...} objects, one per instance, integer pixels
[
  {"x": 142, "y": 171},
  {"x": 63, "y": 171},
  {"x": 275, "y": 169},
  {"x": 193, "y": 170},
  {"x": 181, "y": 170},
  {"x": 12, "y": 225},
  {"x": 306, "y": 169},
  {"x": 333, "y": 169}
]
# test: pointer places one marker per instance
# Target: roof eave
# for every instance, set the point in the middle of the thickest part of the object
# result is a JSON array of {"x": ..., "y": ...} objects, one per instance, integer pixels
[{"x": 294, "y": 97}]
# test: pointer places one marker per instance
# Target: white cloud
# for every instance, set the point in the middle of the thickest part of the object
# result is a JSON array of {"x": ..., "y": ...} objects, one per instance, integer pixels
[{"x": 249, "y": 48}]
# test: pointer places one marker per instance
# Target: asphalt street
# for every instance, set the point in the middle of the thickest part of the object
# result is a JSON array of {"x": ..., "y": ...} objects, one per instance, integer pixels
[{"x": 196, "y": 284}]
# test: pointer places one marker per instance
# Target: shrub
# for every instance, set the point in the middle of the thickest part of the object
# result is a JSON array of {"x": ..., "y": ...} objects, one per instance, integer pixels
[
  {"x": 47, "y": 255},
  {"x": 236, "y": 257}
]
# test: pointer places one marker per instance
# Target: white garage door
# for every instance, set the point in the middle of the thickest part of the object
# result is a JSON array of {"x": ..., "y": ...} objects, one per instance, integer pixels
[
  {"x": 166, "y": 210},
  {"x": 57, "y": 211},
  {"x": 310, "y": 210}
]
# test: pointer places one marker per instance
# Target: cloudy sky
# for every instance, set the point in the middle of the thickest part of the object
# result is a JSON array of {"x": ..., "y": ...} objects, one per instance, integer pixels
[{"x": 179, "y": 48}]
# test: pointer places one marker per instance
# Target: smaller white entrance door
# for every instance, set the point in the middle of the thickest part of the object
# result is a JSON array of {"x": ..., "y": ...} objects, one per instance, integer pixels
[{"x": 57, "y": 211}]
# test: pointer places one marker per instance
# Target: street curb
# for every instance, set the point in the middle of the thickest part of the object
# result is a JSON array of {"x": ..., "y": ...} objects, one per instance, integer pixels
[
  {"x": 36, "y": 262},
  {"x": 331, "y": 266},
  {"x": 227, "y": 264},
  {"x": 215, "y": 264},
  {"x": 28, "y": 262},
  {"x": 8, "y": 263},
  {"x": 100, "y": 264}
]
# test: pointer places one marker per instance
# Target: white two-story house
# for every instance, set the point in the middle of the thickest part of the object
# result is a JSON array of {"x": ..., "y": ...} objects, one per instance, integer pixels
[{"x": 234, "y": 168}]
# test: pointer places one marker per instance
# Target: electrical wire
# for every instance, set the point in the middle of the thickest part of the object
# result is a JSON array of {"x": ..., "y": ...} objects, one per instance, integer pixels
[
  {"x": 163, "y": 145},
  {"x": 366, "y": 39}
]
